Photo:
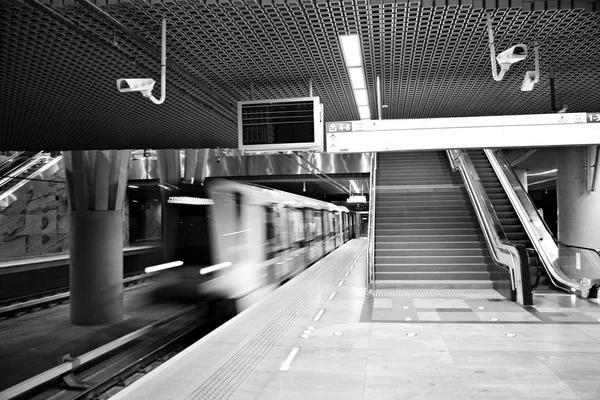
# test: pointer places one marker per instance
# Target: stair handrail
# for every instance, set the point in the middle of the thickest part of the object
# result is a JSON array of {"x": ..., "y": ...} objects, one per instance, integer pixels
[
  {"x": 544, "y": 242},
  {"x": 509, "y": 256},
  {"x": 371, "y": 226}
]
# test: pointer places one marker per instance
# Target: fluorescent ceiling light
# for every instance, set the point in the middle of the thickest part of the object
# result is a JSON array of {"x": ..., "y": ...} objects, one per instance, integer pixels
[
  {"x": 364, "y": 112},
  {"x": 351, "y": 50},
  {"x": 354, "y": 185},
  {"x": 361, "y": 97},
  {"x": 357, "y": 78},
  {"x": 213, "y": 268}
]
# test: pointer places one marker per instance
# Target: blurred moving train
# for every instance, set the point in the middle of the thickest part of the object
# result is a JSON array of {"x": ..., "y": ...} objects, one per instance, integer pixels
[{"x": 238, "y": 242}]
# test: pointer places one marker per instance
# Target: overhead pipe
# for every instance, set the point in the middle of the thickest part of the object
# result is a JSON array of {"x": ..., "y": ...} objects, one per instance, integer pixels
[
  {"x": 163, "y": 66},
  {"x": 93, "y": 38},
  {"x": 497, "y": 77},
  {"x": 94, "y": 9}
]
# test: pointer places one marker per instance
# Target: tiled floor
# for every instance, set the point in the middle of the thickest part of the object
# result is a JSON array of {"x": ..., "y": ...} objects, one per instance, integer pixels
[
  {"x": 417, "y": 306},
  {"x": 365, "y": 348}
]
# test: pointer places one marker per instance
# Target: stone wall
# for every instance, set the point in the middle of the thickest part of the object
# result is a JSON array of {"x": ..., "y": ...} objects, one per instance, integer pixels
[{"x": 38, "y": 222}]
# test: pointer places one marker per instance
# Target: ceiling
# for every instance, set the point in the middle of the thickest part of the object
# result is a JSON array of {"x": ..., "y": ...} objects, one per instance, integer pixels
[{"x": 61, "y": 60}]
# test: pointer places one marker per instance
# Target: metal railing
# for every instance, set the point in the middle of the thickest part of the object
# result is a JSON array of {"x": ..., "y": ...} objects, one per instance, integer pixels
[
  {"x": 508, "y": 256},
  {"x": 371, "y": 227},
  {"x": 569, "y": 267}
]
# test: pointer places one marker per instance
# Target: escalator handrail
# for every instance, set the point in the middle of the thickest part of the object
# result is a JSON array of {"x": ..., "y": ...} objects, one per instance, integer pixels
[
  {"x": 11, "y": 159},
  {"x": 371, "y": 226},
  {"x": 534, "y": 225},
  {"x": 15, "y": 172},
  {"x": 509, "y": 256},
  {"x": 597, "y": 251}
]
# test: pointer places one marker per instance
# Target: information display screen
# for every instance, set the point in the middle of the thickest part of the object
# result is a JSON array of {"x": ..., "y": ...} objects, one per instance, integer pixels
[{"x": 287, "y": 124}]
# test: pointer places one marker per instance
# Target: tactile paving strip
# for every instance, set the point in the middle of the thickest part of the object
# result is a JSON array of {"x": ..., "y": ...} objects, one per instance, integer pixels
[
  {"x": 459, "y": 294},
  {"x": 224, "y": 382}
]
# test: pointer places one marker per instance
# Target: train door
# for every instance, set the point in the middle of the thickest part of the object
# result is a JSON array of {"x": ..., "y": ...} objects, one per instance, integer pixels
[{"x": 297, "y": 238}]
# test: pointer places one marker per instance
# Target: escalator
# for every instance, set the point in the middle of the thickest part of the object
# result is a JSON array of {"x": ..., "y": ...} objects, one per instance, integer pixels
[
  {"x": 511, "y": 225},
  {"x": 19, "y": 170}
]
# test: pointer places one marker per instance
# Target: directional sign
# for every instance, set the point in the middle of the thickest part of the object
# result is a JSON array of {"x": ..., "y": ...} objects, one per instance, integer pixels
[{"x": 535, "y": 130}]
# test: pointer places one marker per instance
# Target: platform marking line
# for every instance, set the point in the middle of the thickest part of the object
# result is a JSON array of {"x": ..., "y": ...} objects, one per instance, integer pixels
[
  {"x": 319, "y": 315},
  {"x": 332, "y": 295},
  {"x": 288, "y": 361},
  {"x": 341, "y": 283},
  {"x": 347, "y": 273}
]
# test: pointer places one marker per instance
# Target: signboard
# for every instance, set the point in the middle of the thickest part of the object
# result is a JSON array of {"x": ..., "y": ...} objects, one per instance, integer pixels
[{"x": 535, "y": 130}]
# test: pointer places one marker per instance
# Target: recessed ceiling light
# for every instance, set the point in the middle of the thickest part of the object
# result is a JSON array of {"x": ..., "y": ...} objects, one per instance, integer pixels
[
  {"x": 361, "y": 97},
  {"x": 364, "y": 112},
  {"x": 351, "y": 50},
  {"x": 357, "y": 78}
]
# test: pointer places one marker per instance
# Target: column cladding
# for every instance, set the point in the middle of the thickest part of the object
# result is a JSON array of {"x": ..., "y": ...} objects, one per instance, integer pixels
[
  {"x": 578, "y": 206},
  {"x": 96, "y": 185}
]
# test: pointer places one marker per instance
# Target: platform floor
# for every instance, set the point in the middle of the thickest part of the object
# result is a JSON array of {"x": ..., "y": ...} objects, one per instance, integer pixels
[{"x": 402, "y": 345}]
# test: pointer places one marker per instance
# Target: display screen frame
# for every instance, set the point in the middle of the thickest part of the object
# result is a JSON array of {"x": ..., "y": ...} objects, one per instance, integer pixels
[{"x": 316, "y": 144}]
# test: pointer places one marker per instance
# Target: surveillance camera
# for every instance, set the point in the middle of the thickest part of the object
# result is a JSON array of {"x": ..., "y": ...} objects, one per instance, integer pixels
[
  {"x": 136, "y": 85},
  {"x": 514, "y": 54}
]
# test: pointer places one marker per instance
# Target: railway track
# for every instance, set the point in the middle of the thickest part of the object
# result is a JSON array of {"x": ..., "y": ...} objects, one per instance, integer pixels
[
  {"x": 23, "y": 305},
  {"x": 103, "y": 372}
]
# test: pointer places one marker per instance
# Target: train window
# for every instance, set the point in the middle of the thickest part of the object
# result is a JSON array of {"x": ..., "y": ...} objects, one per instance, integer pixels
[
  {"x": 296, "y": 226},
  {"x": 270, "y": 232},
  {"x": 192, "y": 243}
]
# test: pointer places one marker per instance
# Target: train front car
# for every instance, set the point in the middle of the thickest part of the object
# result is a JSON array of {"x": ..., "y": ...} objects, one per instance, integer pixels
[{"x": 239, "y": 242}]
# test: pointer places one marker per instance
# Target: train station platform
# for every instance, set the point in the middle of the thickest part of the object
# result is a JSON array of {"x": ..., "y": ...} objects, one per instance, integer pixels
[{"x": 320, "y": 336}]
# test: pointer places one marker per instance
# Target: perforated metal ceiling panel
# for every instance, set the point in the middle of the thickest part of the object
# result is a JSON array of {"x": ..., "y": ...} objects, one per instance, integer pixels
[{"x": 59, "y": 80}]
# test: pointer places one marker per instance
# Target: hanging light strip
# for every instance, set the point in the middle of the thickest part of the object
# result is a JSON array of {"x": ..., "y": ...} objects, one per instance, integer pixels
[{"x": 353, "y": 56}]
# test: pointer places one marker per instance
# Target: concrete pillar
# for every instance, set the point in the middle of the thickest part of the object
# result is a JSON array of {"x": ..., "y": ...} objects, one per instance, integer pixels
[
  {"x": 96, "y": 184},
  {"x": 522, "y": 176},
  {"x": 578, "y": 207}
]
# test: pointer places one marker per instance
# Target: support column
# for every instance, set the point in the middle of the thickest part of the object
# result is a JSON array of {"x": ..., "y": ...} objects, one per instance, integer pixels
[
  {"x": 522, "y": 176},
  {"x": 96, "y": 184},
  {"x": 578, "y": 207}
]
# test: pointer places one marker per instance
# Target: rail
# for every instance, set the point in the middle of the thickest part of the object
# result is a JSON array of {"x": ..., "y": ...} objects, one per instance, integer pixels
[
  {"x": 371, "y": 227},
  {"x": 569, "y": 267},
  {"x": 508, "y": 256}
]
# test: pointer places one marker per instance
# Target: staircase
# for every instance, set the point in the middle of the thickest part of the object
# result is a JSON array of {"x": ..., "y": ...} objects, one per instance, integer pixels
[
  {"x": 506, "y": 214},
  {"x": 426, "y": 232}
]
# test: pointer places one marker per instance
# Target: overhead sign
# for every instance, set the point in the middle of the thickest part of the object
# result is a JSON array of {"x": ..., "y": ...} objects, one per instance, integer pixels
[{"x": 536, "y": 130}]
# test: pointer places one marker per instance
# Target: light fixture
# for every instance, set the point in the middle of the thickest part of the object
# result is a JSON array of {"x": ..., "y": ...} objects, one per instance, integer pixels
[
  {"x": 357, "y": 78},
  {"x": 351, "y": 49}
]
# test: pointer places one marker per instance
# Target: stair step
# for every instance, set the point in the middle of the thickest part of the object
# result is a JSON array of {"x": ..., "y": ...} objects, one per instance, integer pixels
[
  {"x": 431, "y": 224},
  {"x": 429, "y": 238},
  {"x": 428, "y": 246},
  {"x": 431, "y": 268},
  {"x": 441, "y": 259},
  {"x": 418, "y": 252},
  {"x": 432, "y": 276}
]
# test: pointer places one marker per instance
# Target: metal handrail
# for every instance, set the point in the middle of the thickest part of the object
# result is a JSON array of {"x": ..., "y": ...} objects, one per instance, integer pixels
[
  {"x": 371, "y": 227},
  {"x": 544, "y": 242},
  {"x": 22, "y": 168},
  {"x": 509, "y": 256}
]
